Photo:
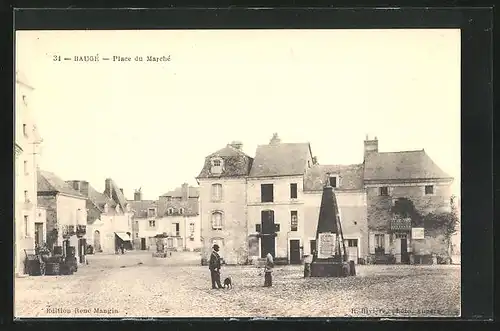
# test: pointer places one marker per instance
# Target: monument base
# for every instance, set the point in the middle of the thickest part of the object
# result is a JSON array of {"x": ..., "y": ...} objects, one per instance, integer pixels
[{"x": 332, "y": 269}]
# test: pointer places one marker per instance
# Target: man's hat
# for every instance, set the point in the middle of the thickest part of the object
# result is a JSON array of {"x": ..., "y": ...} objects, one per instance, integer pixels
[{"x": 216, "y": 246}]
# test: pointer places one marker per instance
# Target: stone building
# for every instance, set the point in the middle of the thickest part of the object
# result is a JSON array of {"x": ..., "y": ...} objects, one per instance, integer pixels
[
  {"x": 223, "y": 203},
  {"x": 390, "y": 177},
  {"x": 175, "y": 214},
  {"x": 276, "y": 196},
  {"x": 27, "y": 145},
  {"x": 109, "y": 216},
  {"x": 66, "y": 213}
]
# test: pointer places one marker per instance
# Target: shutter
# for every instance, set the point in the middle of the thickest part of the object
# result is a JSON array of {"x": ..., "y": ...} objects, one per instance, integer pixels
[
  {"x": 371, "y": 243},
  {"x": 257, "y": 228},
  {"x": 387, "y": 243}
]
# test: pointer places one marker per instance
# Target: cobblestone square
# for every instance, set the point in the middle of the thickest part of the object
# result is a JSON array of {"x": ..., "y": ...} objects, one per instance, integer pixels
[{"x": 138, "y": 285}]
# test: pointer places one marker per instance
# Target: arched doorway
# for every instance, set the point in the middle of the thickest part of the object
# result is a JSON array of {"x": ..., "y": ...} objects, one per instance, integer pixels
[{"x": 97, "y": 241}]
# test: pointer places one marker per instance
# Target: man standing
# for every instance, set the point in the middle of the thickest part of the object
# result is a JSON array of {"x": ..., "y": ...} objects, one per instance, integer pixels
[{"x": 214, "y": 266}]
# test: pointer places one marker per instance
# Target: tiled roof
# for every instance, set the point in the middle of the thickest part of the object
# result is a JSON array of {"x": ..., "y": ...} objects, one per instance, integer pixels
[
  {"x": 140, "y": 208},
  {"x": 194, "y": 192},
  {"x": 281, "y": 159},
  {"x": 100, "y": 199},
  {"x": 236, "y": 163},
  {"x": 401, "y": 165},
  {"x": 190, "y": 206},
  {"x": 117, "y": 194},
  {"x": 49, "y": 182},
  {"x": 351, "y": 176}
]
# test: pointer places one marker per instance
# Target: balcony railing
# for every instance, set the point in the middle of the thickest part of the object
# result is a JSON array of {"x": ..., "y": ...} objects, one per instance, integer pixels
[
  {"x": 81, "y": 230},
  {"x": 68, "y": 230}
]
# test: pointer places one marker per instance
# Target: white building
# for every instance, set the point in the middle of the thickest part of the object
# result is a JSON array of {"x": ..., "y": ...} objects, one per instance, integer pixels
[{"x": 27, "y": 143}]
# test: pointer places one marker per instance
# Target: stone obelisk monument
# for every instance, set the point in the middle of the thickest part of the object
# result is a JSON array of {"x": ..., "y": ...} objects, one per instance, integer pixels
[{"x": 330, "y": 257}]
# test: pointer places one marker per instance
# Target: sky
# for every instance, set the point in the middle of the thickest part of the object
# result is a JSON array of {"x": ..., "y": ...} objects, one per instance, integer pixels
[{"x": 150, "y": 124}]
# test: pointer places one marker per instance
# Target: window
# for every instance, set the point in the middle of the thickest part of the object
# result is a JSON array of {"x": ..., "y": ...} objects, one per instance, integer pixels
[
  {"x": 429, "y": 189},
  {"x": 333, "y": 181},
  {"x": 177, "y": 229},
  {"x": 26, "y": 168},
  {"x": 152, "y": 223},
  {"x": 25, "y": 130},
  {"x": 379, "y": 243},
  {"x": 181, "y": 211},
  {"x": 26, "y": 198},
  {"x": 216, "y": 166},
  {"x": 294, "y": 221},
  {"x": 266, "y": 192},
  {"x": 384, "y": 191},
  {"x": 169, "y": 198},
  {"x": 217, "y": 220},
  {"x": 191, "y": 228},
  {"x": 137, "y": 223},
  {"x": 401, "y": 236},
  {"x": 26, "y": 224},
  {"x": 136, "y": 235},
  {"x": 352, "y": 242},
  {"x": 151, "y": 212},
  {"x": 216, "y": 192},
  {"x": 293, "y": 191},
  {"x": 308, "y": 163}
]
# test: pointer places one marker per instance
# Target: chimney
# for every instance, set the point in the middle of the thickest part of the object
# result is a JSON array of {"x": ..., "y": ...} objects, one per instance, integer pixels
[
  {"x": 108, "y": 187},
  {"x": 275, "y": 139},
  {"x": 185, "y": 191},
  {"x": 138, "y": 195},
  {"x": 236, "y": 144},
  {"x": 371, "y": 146},
  {"x": 84, "y": 188}
]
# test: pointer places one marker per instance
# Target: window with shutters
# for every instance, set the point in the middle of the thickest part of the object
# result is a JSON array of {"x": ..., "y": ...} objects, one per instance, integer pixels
[
  {"x": 216, "y": 192},
  {"x": 380, "y": 243},
  {"x": 266, "y": 192},
  {"x": 384, "y": 191},
  {"x": 217, "y": 220},
  {"x": 217, "y": 166},
  {"x": 294, "y": 221}
]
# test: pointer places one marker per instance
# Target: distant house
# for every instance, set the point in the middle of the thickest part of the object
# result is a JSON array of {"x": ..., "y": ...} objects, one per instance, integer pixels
[
  {"x": 66, "y": 213},
  {"x": 109, "y": 217},
  {"x": 175, "y": 214}
]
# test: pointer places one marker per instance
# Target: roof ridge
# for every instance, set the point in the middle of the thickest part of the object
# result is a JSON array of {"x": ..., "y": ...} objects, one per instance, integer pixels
[{"x": 407, "y": 151}]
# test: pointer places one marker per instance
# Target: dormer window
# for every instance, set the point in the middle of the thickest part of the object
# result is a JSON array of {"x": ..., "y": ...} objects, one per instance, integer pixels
[
  {"x": 170, "y": 211},
  {"x": 151, "y": 212},
  {"x": 181, "y": 211},
  {"x": 217, "y": 166},
  {"x": 334, "y": 181}
]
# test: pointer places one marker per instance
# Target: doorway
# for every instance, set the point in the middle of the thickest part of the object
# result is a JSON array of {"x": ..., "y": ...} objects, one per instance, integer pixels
[
  {"x": 38, "y": 234},
  {"x": 405, "y": 258},
  {"x": 352, "y": 250},
  {"x": 295, "y": 251},
  {"x": 97, "y": 241},
  {"x": 143, "y": 244},
  {"x": 268, "y": 230}
]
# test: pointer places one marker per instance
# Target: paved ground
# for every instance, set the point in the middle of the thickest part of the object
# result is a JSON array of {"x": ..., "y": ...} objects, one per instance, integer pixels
[{"x": 138, "y": 285}]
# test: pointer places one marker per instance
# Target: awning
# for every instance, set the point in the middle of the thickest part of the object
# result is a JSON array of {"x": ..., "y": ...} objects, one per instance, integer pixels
[{"x": 123, "y": 236}]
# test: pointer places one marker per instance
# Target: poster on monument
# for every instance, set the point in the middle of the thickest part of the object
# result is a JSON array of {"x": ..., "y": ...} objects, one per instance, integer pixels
[{"x": 326, "y": 245}]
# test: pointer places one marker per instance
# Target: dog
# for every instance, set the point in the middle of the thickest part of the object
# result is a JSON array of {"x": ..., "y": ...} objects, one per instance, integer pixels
[{"x": 228, "y": 282}]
